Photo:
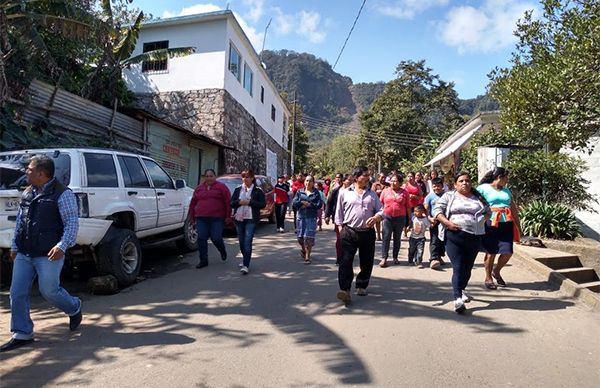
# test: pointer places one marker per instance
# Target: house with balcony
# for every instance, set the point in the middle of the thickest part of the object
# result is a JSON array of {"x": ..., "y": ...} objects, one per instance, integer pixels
[{"x": 221, "y": 90}]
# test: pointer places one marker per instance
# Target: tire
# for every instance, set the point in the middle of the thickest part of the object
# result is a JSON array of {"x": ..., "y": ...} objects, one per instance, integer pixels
[
  {"x": 189, "y": 242},
  {"x": 120, "y": 255},
  {"x": 6, "y": 267}
]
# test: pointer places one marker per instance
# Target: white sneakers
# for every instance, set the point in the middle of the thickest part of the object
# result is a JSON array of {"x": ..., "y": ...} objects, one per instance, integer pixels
[
  {"x": 244, "y": 270},
  {"x": 459, "y": 305},
  {"x": 280, "y": 230},
  {"x": 466, "y": 298}
]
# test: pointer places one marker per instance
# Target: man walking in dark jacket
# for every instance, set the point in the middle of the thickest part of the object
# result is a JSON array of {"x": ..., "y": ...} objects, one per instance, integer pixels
[{"x": 47, "y": 224}]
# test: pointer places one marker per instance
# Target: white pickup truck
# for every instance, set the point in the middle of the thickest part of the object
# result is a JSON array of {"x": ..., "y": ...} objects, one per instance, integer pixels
[{"x": 125, "y": 201}]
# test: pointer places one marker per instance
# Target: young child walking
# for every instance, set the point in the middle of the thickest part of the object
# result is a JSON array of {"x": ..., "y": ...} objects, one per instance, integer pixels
[{"x": 416, "y": 243}]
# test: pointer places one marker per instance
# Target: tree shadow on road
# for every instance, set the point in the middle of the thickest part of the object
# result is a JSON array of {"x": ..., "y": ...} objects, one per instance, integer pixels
[{"x": 279, "y": 289}]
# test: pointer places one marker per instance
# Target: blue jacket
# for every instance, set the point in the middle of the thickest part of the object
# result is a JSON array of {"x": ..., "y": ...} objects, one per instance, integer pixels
[{"x": 315, "y": 203}]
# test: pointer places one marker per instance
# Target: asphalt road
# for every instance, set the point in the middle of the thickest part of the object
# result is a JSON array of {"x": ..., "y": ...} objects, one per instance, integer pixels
[{"x": 281, "y": 326}]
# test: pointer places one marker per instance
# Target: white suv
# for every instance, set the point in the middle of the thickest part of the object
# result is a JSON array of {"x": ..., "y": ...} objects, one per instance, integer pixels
[{"x": 125, "y": 201}]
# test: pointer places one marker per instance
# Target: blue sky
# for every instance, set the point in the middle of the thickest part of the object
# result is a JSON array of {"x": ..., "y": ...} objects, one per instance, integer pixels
[{"x": 461, "y": 40}]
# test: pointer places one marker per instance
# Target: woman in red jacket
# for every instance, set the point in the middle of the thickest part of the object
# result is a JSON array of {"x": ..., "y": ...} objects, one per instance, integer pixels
[{"x": 209, "y": 207}]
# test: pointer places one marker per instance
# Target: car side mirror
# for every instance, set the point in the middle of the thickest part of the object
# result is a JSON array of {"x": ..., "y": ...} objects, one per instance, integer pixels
[{"x": 179, "y": 184}]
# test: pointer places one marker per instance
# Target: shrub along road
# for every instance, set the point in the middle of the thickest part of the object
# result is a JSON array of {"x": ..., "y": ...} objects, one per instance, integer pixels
[{"x": 282, "y": 326}]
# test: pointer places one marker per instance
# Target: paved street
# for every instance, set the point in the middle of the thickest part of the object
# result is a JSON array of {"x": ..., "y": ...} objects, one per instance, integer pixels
[{"x": 281, "y": 326}]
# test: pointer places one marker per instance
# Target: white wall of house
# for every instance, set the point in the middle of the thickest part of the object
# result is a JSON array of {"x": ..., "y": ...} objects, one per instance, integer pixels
[
  {"x": 208, "y": 67},
  {"x": 201, "y": 70},
  {"x": 591, "y": 219},
  {"x": 261, "y": 110}
]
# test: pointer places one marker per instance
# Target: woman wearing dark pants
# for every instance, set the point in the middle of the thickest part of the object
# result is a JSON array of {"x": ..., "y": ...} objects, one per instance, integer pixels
[
  {"x": 208, "y": 208},
  {"x": 396, "y": 207},
  {"x": 330, "y": 209},
  {"x": 281, "y": 200},
  {"x": 462, "y": 214},
  {"x": 246, "y": 201}
]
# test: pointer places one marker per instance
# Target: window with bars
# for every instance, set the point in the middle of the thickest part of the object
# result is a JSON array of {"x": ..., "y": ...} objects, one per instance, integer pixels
[{"x": 161, "y": 65}]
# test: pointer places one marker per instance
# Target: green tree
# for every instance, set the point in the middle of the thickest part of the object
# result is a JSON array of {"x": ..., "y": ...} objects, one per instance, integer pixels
[
  {"x": 551, "y": 94},
  {"x": 45, "y": 39},
  {"x": 415, "y": 108},
  {"x": 341, "y": 155},
  {"x": 118, "y": 35}
]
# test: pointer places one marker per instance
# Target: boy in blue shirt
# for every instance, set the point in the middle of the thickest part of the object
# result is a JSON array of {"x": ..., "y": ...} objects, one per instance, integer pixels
[{"x": 436, "y": 246}]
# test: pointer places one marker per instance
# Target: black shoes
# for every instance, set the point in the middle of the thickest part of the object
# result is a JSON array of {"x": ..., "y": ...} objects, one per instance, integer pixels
[
  {"x": 202, "y": 265},
  {"x": 224, "y": 256},
  {"x": 14, "y": 343},
  {"x": 75, "y": 321}
]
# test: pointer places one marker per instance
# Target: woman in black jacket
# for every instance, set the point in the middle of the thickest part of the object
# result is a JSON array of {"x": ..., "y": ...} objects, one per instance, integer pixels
[
  {"x": 246, "y": 202},
  {"x": 347, "y": 180}
]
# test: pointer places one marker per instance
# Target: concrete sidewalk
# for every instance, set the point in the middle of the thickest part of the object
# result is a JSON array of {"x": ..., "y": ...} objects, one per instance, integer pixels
[{"x": 281, "y": 326}]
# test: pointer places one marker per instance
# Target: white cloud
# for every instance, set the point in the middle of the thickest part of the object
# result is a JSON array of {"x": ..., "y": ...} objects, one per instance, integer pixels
[
  {"x": 485, "y": 29},
  {"x": 257, "y": 9},
  {"x": 307, "y": 24},
  {"x": 406, "y": 9},
  {"x": 309, "y": 27},
  {"x": 192, "y": 10},
  {"x": 255, "y": 37}
]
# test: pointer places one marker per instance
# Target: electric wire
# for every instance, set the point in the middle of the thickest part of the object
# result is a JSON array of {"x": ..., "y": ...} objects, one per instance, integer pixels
[{"x": 349, "y": 33}]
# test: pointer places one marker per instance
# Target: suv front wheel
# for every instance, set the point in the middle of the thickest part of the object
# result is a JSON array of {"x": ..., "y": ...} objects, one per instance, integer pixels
[
  {"x": 120, "y": 255},
  {"x": 189, "y": 242}
]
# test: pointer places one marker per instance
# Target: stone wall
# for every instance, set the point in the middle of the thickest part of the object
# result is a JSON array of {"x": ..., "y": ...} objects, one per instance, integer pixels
[{"x": 216, "y": 114}]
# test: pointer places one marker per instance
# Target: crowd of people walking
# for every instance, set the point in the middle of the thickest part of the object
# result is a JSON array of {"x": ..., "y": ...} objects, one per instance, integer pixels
[{"x": 461, "y": 220}]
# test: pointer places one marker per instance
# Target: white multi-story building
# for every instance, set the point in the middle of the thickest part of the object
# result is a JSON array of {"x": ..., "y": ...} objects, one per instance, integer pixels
[{"x": 221, "y": 90}]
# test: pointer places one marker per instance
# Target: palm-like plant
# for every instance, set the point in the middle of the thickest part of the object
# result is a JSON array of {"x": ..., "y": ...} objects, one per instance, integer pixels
[
  {"x": 105, "y": 82},
  {"x": 23, "y": 23}
]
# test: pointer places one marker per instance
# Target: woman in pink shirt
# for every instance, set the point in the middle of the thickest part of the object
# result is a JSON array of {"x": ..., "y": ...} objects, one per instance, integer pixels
[
  {"x": 209, "y": 207},
  {"x": 396, "y": 208}
]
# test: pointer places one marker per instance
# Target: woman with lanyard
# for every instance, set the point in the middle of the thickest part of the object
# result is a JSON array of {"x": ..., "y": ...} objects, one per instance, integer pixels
[
  {"x": 378, "y": 186},
  {"x": 395, "y": 210},
  {"x": 502, "y": 229},
  {"x": 246, "y": 202},
  {"x": 307, "y": 203},
  {"x": 208, "y": 209},
  {"x": 462, "y": 213}
]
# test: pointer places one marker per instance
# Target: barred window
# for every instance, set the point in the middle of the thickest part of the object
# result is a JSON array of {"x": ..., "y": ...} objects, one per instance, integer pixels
[{"x": 155, "y": 65}]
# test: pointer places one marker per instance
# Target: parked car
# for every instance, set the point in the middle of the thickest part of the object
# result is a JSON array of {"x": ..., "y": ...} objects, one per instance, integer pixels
[
  {"x": 268, "y": 212},
  {"x": 125, "y": 201}
]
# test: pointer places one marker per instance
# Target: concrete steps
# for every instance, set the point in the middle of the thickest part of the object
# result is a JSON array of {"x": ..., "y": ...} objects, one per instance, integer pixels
[{"x": 565, "y": 271}]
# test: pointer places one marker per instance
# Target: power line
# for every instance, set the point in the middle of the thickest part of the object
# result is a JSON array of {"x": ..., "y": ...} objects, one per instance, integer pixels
[
  {"x": 349, "y": 33},
  {"x": 316, "y": 123}
]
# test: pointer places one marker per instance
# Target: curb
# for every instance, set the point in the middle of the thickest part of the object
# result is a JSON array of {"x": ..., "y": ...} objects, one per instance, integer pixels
[{"x": 528, "y": 255}]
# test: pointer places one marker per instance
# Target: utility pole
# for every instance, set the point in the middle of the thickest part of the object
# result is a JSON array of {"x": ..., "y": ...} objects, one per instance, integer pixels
[{"x": 293, "y": 135}]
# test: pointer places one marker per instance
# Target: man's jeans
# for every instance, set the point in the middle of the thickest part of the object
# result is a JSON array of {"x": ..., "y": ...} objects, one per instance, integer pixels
[
  {"x": 245, "y": 230},
  {"x": 436, "y": 246},
  {"x": 25, "y": 270},
  {"x": 210, "y": 227}
]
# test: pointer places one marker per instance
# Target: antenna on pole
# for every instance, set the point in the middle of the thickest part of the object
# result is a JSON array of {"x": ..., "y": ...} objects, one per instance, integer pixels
[{"x": 265, "y": 38}]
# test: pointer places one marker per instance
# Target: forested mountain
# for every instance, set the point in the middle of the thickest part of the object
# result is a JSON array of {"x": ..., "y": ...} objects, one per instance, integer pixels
[
  {"x": 332, "y": 98},
  {"x": 322, "y": 93}
]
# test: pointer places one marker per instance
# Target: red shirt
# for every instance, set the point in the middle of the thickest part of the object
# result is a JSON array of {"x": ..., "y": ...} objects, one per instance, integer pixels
[
  {"x": 297, "y": 185},
  {"x": 211, "y": 201},
  {"x": 395, "y": 203},
  {"x": 413, "y": 190}
]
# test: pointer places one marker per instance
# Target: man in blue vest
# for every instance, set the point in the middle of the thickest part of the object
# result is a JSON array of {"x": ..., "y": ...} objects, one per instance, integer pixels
[{"x": 47, "y": 224}]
